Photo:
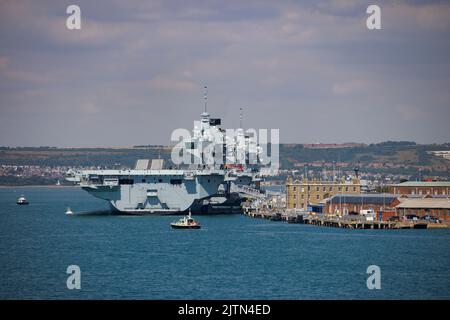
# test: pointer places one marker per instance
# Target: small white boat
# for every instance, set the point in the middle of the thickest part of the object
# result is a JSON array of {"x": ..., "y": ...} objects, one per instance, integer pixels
[
  {"x": 22, "y": 201},
  {"x": 69, "y": 211}
]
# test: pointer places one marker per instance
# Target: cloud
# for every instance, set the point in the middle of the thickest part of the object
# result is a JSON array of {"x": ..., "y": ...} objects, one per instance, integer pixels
[
  {"x": 351, "y": 87},
  {"x": 4, "y": 61},
  {"x": 168, "y": 84},
  {"x": 421, "y": 18},
  {"x": 287, "y": 62},
  {"x": 14, "y": 74},
  {"x": 89, "y": 108}
]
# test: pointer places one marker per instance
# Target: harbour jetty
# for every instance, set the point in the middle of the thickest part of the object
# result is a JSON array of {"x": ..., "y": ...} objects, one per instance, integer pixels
[
  {"x": 346, "y": 222},
  {"x": 321, "y": 203}
]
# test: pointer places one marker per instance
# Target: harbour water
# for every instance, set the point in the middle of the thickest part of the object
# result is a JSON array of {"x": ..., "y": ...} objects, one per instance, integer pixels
[{"x": 231, "y": 257}]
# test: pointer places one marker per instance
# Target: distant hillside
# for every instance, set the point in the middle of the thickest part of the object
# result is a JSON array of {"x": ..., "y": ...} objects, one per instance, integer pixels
[
  {"x": 84, "y": 157},
  {"x": 396, "y": 155},
  {"x": 405, "y": 153}
]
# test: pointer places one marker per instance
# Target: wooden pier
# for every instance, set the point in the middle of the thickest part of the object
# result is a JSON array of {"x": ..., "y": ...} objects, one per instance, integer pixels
[{"x": 349, "y": 222}]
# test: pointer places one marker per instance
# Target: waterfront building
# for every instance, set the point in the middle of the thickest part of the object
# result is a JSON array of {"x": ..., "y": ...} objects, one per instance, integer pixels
[
  {"x": 437, "y": 207},
  {"x": 345, "y": 204},
  {"x": 302, "y": 193},
  {"x": 421, "y": 188}
]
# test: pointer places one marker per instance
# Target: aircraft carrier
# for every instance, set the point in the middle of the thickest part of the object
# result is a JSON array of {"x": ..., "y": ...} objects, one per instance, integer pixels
[{"x": 203, "y": 188}]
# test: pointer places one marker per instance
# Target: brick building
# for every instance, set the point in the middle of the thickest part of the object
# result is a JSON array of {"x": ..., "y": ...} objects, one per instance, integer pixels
[
  {"x": 421, "y": 207},
  {"x": 433, "y": 188},
  {"x": 344, "y": 204}
]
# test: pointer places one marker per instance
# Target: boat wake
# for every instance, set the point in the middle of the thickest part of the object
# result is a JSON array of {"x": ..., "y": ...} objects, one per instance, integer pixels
[{"x": 93, "y": 213}]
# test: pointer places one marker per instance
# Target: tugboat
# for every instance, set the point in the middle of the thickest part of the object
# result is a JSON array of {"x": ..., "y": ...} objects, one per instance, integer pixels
[
  {"x": 187, "y": 222},
  {"x": 22, "y": 201}
]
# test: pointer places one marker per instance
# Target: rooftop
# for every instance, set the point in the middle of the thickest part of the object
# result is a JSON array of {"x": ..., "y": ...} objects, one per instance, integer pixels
[
  {"x": 431, "y": 203},
  {"x": 353, "y": 182},
  {"x": 372, "y": 198},
  {"x": 423, "y": 184}
]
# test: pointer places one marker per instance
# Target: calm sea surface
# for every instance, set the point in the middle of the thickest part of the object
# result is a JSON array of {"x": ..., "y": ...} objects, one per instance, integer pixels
[{"x": 231, "y": 257}]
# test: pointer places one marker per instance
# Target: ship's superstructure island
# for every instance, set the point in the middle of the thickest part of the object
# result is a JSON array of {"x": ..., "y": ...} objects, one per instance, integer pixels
[{"x": 198, "y": 183}]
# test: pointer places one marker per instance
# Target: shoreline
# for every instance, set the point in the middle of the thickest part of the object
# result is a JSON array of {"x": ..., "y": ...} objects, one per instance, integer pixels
[{"x": 35, "y": 186}]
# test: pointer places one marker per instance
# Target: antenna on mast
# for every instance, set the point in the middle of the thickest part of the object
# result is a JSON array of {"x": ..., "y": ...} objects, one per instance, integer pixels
[
  {"x": 240, "y": 118},
  {"x": 205, "y": 97}
]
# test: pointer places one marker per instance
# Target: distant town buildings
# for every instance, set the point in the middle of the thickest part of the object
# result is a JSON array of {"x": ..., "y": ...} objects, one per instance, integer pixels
[
  {"x": 27, "y": 171},
  {"x": 34, "y": 174},
  {"x": 333, "y": 145},
  {"x": 443, "y": 154}
]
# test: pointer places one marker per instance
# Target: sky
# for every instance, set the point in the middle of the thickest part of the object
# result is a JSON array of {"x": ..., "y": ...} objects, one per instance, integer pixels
[{"x": 136, "y": 70}]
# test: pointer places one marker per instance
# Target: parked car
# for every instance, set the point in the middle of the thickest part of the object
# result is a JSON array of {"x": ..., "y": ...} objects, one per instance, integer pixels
[
  {"x": 431, "y": 219},
  {"x": 411, "y": 217}
]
